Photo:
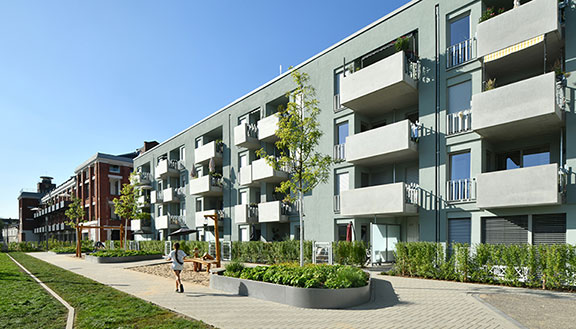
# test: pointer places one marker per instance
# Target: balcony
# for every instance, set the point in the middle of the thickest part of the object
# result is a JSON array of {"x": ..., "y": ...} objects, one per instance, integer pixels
[
  {"x": 170, "y": 195},
  {"x": 143, "y": 201},
  {"x": 245, "y": 214},
  {"x": 156, "y": 196},
  {"x": 206, "y": 186},
  {"x": 398, "y": 199},
  {"x": 381, "y": 87},
  {"x": 263, "y": 172},
  {"x": 530, "y": 20},
  {"x": 523, "y": 187},
  {"x": 167, "y": 168},
  {"x": 246, "y": 176},
  {"x": 161, "y": 222},
  {"x": 204, "y": 153},
  {"x": 267, "y": 128},
  {"x": 396, "y": 143},
  {"x": 273, "y": 212},
  {"x": 246, "y": 135},
  {"x": 200, "y": 220},
  {"x": 140, "y": 225},
  {"x": 142, "y": 178},
  {"x": 528, "y": 107}
]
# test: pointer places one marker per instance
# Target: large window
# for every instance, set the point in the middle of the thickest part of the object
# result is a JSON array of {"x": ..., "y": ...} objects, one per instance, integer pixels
[
  {"x": 459, "y": 97},
  {"x": 342, "y": 131},
  {"x": 459, "y": 30},
  {"x": 460, "y": 44},
  {"x": 341, "y": 183}
]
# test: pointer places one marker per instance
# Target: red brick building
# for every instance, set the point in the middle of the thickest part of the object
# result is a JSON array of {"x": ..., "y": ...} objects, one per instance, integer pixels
[{"x": 28, "y": 202}]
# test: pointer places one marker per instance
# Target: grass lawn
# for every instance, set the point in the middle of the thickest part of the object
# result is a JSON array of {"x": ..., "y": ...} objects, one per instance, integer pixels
[
  {"x": 100, "y": 306},
  {"x": 24, "y": 303}
]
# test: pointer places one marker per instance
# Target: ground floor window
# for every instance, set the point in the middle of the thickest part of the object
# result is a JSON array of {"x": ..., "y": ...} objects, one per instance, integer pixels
[
  {"x": 549, "y": 229},
  {"x": 505, "y": 230},
  {"x": 459, "y": 230}
]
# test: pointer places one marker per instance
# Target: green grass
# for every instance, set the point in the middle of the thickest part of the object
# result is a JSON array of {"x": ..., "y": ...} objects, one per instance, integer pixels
[
  {"x": 100, "y": 306},
  {"x": 24, "y": 303}
]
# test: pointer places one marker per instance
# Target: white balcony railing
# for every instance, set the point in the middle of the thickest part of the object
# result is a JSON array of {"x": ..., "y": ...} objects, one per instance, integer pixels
[
  {"x": 340, "y": 152},
  {"x": 415, "y": 131},
  {"x": 412, "y": 193},
  {"x": 458, "y": 122},
  {"x": 459, "y": 53},
  {"x": 561, "y": 93},
  {"x": 337, "y": 204},
  {"x": 460, "y": 189}
]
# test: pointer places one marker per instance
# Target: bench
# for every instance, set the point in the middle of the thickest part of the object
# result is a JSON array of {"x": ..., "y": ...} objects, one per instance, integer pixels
[{"x": 198, "y": 262}]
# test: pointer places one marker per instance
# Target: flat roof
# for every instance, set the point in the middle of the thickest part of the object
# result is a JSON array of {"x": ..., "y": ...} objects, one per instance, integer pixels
[
  {"x": 102, "y": 156},
  {"x": 336, "y": 45}
]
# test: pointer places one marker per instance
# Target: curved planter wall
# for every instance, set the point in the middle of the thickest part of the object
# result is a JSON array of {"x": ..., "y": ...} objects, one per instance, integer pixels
[
  {"x": 299, "y": 297},
  {"x": 102, "y": 260}
]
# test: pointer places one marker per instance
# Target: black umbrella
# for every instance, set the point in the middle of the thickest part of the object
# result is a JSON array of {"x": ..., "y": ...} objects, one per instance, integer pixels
[{"x": 183, "y": 231}]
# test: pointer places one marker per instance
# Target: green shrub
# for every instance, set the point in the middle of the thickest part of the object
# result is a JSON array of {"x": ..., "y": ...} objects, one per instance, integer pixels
[
  {"x": 122, "y": 253},
  {"x": 308, "y": 276},
  {"x": 350, "y": 252},
  {"x": 27, "y": 246},
  {"x": 69, "y": 250},
  {"x": 234, "y": 269},
  {"x": 270, "y": 252}
]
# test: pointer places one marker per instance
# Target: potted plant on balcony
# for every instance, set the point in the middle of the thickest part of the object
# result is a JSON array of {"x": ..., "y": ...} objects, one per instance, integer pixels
[
  {"x": 216, "y": 178},
  {"x": 489, "y": 13},
  {"x": 219, "y": 145},
  {"x": 560, "y": 73}
]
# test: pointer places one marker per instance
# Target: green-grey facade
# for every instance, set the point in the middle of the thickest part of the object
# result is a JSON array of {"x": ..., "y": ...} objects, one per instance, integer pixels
[{"x": 450, "y": 129}]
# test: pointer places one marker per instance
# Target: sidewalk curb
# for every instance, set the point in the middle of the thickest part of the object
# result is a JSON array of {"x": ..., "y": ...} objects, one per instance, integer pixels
[{"x": 497, "y": 311}]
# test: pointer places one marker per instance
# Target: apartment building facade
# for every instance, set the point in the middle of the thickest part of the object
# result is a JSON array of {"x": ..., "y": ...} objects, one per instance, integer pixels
[
  {"x": 28, "y": 203},
  {"x": 451, "y": 127},
  {"x": 50, "y": 214}
]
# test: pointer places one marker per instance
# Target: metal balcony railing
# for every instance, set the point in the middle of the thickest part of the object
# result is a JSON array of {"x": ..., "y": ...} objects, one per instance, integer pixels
[
  {"x": 176, "y": 219},
  {"x": 415, "y": 131},
  {"x": 337, "y": 204},
  {"x": 252, "y": 130},
  {"x": 215, "y": 181},
  {"x": 459, "y": 53},
  {"x": 340, "y": 152},
  {"x": 181, "y": 191},
  {"x": 460, "y": 189},
  {"x": 159, "y": 196},
  {"x": 412, "y": 67},
  {"x": 458, "y": 122},
  {"x": 413, "y": 193},
  {"x": 253, "y": 211},
  {"x": 561, "y": 93}
]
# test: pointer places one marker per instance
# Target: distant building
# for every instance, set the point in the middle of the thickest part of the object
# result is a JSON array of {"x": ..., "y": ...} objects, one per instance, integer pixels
[
  {"x": 9, "y": 231},
  {"x": 96, "y": 182}
]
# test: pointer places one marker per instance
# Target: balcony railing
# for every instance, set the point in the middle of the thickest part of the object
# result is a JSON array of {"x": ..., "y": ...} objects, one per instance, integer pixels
[
  {"x": 459, "y": 53},
  {"x": 337, "y": 106},
  {"x": 415, "y": 131},
  {"x": 412, "y": 193},
  {"x": 460, "y": 189},
  {"x": 340, "y": 152},
  {"x": 561, "y": 93},
  {"x": 337, "y": 204},
  {"x": 181, "y": 192},
  {"x": 177, "y": 220},
  {"x": 459, "y": 122}
]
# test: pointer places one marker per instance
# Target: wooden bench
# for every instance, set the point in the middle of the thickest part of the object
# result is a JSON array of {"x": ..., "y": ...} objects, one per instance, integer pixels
[{"x": 200, "y": 262}]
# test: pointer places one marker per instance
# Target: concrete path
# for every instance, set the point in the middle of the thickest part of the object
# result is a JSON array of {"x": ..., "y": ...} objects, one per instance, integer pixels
[{"x": 397, "y": 302}]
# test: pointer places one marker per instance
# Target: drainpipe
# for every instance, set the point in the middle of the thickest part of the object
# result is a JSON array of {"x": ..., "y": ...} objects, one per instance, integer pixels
[{"x": 436, "y": 118}]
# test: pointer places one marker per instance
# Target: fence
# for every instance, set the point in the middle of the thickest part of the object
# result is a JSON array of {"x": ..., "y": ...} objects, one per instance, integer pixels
[
  {"x": 458, "y": 122},
  {"x": 459, "y": 53}
]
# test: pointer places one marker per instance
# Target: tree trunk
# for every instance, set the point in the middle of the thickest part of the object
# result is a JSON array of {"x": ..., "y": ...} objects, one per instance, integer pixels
[{"x": 301, "y": 214}]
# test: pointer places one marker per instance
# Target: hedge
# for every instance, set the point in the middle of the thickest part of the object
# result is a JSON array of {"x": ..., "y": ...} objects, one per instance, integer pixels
[
  {"x": 123, "y": 253},
  {"x": 546, "y": 266}
]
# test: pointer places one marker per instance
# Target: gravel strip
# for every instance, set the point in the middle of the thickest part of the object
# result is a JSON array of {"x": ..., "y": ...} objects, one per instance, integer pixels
[{"x": 165, "y": 270}]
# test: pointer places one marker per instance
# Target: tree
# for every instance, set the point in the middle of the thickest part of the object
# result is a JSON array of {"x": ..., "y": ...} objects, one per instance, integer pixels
[
  {"x": 126, "y": 206},
  {"x": 299, "y": 134},
  {"x": 75, "y": 214}
]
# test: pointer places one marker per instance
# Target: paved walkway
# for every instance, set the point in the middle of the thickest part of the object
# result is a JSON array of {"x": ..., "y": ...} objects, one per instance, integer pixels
[{"x": 397, "y": 302}]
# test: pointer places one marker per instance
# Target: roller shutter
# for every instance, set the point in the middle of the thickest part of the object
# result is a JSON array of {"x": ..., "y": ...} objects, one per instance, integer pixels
[
  {"x": 505, "y": 230},
  {"x": 549, "y": 229},
  {"x": 459, "y": 230}
]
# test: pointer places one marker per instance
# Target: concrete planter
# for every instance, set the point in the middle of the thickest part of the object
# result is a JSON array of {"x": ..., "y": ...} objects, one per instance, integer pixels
[
  {"x": 299, "y": 297},
  {"x": 102, "y": 260}
]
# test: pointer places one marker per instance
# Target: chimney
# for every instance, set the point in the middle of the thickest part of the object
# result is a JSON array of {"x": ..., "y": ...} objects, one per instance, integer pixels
[
  {"x": 148, "y": 146},
  {"x": 45, "y": 185}
]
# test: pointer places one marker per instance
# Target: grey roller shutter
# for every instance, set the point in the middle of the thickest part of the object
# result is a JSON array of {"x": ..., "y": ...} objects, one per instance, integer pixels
[
  {"x": 549, "y": 229},
  {"x": 459, "y": 230},
  {"x": 505, "y": 230}
]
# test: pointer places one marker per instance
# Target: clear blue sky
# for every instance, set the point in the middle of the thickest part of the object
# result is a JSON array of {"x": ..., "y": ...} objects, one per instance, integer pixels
[{"x": 80, "y": 77}]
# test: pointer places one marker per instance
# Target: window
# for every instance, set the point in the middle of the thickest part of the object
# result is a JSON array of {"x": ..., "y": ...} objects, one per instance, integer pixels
[
  {"x": 459, "y": 186},
  {"x": 505, "y": 230},
  {"x": 243, "y": 197},
  {"x": 522, "y": 158},
  {"x": 459, "y": 230},
  {"x": 159, "y": 213},
  {"x": 182, "y": 153},
  {"x": 113, "y": 215},
  {"x": 549, "y": 229},
  {"x": 198, "y": 142},
  {"x": 115, "y": 187},
  {"x": 183, "y": 208},
  {"x": 342, "y": 132},
  {"x": 341, "y": 183},
  {"x": 459, "y": 30},
  {"x": 460, "y": 43},
  {"x": 115, "y": 169},
  {"x": 459, "y": 97},
  {"x": 460, "y": 166}
]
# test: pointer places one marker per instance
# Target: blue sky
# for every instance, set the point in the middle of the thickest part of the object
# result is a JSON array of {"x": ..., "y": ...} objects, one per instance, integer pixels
[{"x": 80, "y": 77}]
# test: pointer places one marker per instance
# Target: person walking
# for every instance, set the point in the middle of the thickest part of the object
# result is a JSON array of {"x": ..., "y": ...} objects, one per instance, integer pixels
[{"x": 177, "y": 257}]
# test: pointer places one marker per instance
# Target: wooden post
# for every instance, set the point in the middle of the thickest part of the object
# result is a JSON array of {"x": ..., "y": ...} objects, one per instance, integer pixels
[{"x": 78, "y": 244}]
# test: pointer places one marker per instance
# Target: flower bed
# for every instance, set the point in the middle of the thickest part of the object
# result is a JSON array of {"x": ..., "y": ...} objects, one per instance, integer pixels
[
  {"x": 311, "y": 286},
  {"x": 120, "y": 256}
]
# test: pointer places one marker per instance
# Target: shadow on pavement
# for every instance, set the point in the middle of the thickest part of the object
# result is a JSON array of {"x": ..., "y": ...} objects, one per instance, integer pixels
[{"x": 383, "y": 295}]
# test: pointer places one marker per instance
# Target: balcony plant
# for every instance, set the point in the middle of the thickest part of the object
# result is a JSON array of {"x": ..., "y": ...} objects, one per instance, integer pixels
[
  {"x": 489, "y": 13},
  {"x": 560, "y": 73},
  {"x": 490, "y": 84}
]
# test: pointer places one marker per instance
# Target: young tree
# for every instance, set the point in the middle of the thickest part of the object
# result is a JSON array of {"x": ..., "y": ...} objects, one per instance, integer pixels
[
  {"x": 126, "y": 206},
  {"x": 299, "y": 134},
  {"x": 75, "y": 214}
]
